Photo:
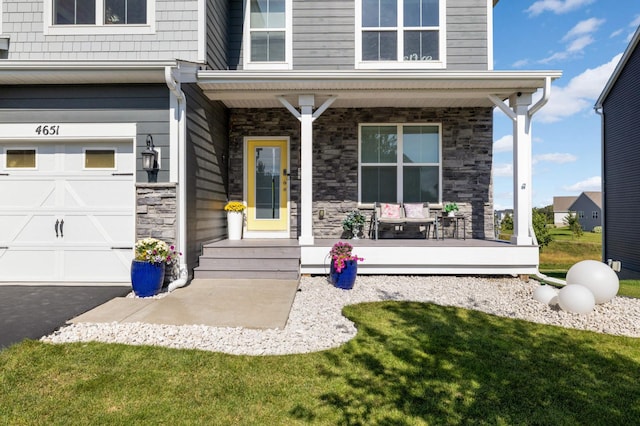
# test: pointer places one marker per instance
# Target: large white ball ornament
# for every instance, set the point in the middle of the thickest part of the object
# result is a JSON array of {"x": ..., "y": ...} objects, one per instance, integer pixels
[
  {"x": 576, "y": 298},
  {"x": 597, "y": 277},
  {"x": 544, "y": 294}
]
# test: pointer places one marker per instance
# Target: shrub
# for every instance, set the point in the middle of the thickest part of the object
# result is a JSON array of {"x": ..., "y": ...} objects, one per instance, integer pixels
[
  {"x": 572, "y": 221},
  {"x": 597, "y": 229},
  {"x": 540, "y": 228}
]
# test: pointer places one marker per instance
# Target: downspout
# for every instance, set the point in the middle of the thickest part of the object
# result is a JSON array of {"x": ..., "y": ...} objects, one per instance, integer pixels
[
  {"x": 174, "y": 87},
  {"x": 598, "y": 109}
]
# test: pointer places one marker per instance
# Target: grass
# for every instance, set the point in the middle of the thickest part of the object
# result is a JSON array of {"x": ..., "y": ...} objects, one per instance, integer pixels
[{"x": 411, "y": 363}]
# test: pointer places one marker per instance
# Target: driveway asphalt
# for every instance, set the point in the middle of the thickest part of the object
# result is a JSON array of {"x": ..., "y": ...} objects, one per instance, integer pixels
[{"x": 30, "y": 312}]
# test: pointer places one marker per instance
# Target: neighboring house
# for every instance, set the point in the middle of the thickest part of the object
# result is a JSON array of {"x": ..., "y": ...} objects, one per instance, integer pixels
[
  {"x": 619, "y": 107},
  {"x": 561, "y": 208},
  {"x": 588, "y": 208},
  {"x": 292, "y": 106}
]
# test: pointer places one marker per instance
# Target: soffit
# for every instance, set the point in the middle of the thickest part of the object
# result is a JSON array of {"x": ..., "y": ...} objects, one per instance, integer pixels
[{"x": 354, "y": 89}]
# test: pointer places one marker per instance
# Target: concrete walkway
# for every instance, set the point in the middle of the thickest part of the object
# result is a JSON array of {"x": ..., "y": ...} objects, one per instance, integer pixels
[{"x": 244, "y": 303}]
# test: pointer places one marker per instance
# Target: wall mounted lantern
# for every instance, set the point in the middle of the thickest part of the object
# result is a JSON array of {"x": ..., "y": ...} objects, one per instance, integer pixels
[{"x": 150, "y": 160}]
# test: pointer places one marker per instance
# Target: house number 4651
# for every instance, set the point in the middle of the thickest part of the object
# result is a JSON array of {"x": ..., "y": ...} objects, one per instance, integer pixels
[{"x": 48, "y": 130}]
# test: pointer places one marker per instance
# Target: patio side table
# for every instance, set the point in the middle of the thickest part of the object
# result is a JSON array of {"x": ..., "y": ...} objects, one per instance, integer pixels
[{"x": 456, "y": 225}]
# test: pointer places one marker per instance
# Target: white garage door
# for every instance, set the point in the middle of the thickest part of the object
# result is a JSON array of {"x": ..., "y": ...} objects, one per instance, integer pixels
[{"x": 66, "y": 211}]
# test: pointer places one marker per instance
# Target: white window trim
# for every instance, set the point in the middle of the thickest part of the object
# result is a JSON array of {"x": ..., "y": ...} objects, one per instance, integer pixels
[
  {"x": 99, "y": 27},
  {"x": 399, "y": 64},
  {"x": 18, "y": 147},
  {"x": 399, "y": 164},
  {"x": 288, "y": 43}
]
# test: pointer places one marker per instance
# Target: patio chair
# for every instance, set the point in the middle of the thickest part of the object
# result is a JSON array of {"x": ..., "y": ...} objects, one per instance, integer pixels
[{"x": 402, "y": 215}]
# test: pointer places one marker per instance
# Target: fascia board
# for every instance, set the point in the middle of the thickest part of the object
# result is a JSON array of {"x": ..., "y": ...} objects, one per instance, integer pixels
[{"x": 616, "y": 72}]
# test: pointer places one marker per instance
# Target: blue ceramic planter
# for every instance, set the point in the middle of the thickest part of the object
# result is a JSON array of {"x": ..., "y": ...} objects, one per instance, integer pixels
[
  {"x": 345, "y": 278},
  {"x": 146, "y": 278}
]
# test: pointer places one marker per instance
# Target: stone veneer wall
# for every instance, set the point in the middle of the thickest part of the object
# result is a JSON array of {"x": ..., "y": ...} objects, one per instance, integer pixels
[
  {"x": 156, "y": 211},
  {"x": 467, "y": 140}
]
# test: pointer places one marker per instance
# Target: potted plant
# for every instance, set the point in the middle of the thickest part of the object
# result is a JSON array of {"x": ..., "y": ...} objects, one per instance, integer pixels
[
  {"x": 354, "y": 223},
  {"x": 344, "y": 265},
  {"x": 450, "y": 208},
  {"x": 148, "y": 266},
  {"x": 235, "y": 219}
]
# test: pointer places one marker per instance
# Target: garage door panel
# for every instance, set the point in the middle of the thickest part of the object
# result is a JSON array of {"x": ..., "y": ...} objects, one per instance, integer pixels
[
  {"x": 104, "y": 228},
  {"x": 113, "y": 265},
  {"x": 26, "y": 193},
  {"x": 111, "y": 193},
  {"x": 28, "y": 264},
  {"x": 32, "y": 229}
]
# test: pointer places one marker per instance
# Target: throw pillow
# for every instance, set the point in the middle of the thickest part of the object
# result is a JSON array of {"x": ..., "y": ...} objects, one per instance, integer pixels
[
  {"x": 390, "y": 211},
  {"x": 414, "y": 210}
]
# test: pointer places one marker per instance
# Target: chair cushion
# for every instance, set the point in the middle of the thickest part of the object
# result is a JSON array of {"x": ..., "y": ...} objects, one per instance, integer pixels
[
  {"x": 414, "y": 210},
  {"x": 390, "y": 211}
]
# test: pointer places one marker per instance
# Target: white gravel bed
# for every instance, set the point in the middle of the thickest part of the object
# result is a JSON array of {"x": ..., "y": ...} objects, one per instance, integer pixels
[{"x": 316, "y": 323}]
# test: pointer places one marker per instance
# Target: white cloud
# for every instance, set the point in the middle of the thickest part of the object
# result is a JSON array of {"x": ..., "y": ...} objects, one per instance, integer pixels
[
  {"x": 616, "y": 33},
  {"x": 556, "y": 6},
  {"x": 504, "y": 144},
  {"x": 591, "y": 184},
  {"x": 587, "y": 26},
  {"x": 555, "y": 157},
  {"x": 635, "y": 22},
  {"x": 577, "y": 39},
  {"x": 503, "y": 170},
  {"x": 579, "y": 94},
  {"x": 521, "y": 63}
]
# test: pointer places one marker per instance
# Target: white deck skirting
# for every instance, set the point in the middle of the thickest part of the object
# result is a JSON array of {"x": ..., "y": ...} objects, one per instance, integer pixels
[{"x": 428, "y": 257}]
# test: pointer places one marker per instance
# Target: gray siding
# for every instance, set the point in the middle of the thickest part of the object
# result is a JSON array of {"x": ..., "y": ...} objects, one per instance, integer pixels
[
  {"x": 587, "y": 206},
  {"x": 621, "y": 152},
  {"x": 324, "y": 34},
  {"x": 467, "y": 135},
  {"x": 217, "y": 34},
  {"x": 175, "y": 37},
  {"x": 146, "y": 105},
  {"x": 207, "y": 174},
  {"x": 467, "y": 45}
]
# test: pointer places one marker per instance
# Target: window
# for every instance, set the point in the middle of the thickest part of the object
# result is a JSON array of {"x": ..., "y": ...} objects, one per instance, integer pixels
[
  {"x": 268, "y": 40},
  {"x": 594, "y": 214},
  {"x": 99, "y": 159},
  {"x": 99, "y": 17},
  {"x": 580, "y": 215},
  {"x": 400, "y": 33},
  {"x": 20, "y": 159},
  {"x": 400, "y": 163}
]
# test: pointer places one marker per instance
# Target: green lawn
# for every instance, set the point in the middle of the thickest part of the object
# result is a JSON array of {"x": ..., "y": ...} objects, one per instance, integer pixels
[{"x": 411, "y": 364}]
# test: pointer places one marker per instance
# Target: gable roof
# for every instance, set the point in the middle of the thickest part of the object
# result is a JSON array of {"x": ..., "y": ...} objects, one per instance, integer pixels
[
  {"x": 595, "y": 196},
  {"x": 635, "y": 40},
  {"x": 562, "y": 204}
]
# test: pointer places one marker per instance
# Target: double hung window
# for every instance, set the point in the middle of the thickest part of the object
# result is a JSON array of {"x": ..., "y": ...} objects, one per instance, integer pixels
[
  {"x": 268, "y": 38},
  {"x": 400, "y": 33},
  {"x": 400, "y": 163}
]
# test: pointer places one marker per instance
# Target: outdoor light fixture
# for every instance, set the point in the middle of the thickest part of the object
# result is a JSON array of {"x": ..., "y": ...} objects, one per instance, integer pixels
[{"x": 150, "y": 160}]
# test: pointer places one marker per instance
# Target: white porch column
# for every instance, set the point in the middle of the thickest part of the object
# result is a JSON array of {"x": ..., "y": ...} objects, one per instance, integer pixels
[
  {"x": 522, "y": 173},
  {"x": 306, "y": 103}
]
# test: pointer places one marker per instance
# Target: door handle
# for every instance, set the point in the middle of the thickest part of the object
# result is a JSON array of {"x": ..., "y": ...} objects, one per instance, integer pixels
[
  {"x": 56, "y": 227},
  {"x": 61, "y": 225}
]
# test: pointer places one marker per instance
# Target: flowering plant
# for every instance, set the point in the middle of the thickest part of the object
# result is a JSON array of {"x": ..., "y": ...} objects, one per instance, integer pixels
[
  {"x": 340, "y": 253},
  {"x": 235, "y": 206},
  {"x": 153, "y": 250},
  {"x": 354, "y": 222},
  {"x": 451, "y": 207}
]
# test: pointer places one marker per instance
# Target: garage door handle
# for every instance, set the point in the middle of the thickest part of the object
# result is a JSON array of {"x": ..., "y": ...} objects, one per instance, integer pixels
[
  {"x": 122, "y": 248},
  {"x": 57, "y": 224},
  {"x": 121, "y": 174},
  {"x": 61, "y": 224}
]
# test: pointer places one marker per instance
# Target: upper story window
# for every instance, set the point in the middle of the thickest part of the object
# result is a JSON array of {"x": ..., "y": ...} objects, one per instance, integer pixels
[
  {"x": 400, "y": 163},
  {"x": 400, "y": 33},
  {"x": 267, "y": 40},
  {"x": 99, "y": 17}
]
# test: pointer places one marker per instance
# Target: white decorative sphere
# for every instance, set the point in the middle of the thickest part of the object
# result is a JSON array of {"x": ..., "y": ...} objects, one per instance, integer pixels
[
  {"x": 576, "y": 298},
  {"x": 597, "y": 277},
  {"x": 544, "y": 294}
]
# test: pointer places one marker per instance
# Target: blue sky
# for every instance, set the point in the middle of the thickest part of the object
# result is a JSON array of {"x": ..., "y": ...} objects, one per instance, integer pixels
[{"x": 584, "y": 39}]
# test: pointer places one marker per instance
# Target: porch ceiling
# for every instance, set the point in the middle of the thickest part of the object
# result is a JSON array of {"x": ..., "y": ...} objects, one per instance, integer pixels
[{"x": 354, "y": 89}]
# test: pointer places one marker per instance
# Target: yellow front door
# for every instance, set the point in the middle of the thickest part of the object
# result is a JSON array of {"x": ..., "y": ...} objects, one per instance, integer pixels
[{"x": 267, "y": 185}]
